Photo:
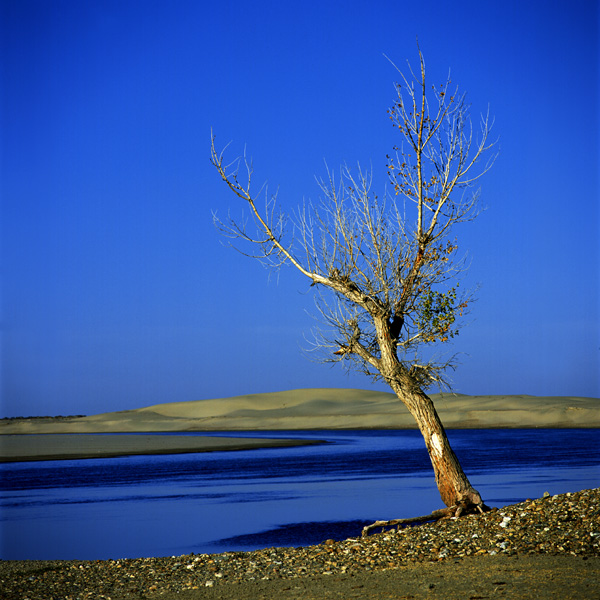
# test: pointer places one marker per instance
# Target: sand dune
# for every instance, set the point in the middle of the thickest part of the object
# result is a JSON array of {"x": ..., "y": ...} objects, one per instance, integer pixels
[{"x": 324, "y": 409}]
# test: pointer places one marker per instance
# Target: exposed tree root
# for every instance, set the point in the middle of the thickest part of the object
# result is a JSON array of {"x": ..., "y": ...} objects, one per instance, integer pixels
[{"x": 462, "y": 508}]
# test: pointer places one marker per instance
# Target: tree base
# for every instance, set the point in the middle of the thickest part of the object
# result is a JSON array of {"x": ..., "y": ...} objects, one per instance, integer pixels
[{"x": 460, "y": 509}]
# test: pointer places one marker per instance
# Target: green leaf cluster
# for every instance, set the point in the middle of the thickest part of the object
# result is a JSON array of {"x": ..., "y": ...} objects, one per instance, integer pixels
[{"x": 437, "y": 314}]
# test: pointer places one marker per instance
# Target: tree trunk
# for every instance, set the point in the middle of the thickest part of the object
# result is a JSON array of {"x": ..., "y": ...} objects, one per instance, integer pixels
[{"x": 453, "y": 484}]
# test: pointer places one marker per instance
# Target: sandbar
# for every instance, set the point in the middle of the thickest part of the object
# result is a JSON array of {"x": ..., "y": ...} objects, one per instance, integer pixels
[{"x": 21, "y": 448}]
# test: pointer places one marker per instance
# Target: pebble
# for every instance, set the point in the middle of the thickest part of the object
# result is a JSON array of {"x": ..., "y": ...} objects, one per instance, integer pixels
[{"x": 562, "y": 524}]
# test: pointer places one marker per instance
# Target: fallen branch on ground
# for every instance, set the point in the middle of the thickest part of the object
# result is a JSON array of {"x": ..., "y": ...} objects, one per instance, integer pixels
[{"x": 456, "y": 511}]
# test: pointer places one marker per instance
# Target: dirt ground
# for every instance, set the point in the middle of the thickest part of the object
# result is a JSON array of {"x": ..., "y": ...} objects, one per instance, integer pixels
[{"x": 478, "y": 578}]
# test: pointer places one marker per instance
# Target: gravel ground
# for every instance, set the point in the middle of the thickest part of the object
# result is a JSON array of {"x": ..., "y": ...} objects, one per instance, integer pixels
[{"x": 548, "y": 547}]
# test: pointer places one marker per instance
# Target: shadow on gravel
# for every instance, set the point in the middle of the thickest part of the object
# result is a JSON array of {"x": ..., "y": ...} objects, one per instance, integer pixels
[{"x": 297, "y": 534}]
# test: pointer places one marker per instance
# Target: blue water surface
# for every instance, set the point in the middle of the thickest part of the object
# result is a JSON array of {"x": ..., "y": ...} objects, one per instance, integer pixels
[{"x": 239, "y": 500}]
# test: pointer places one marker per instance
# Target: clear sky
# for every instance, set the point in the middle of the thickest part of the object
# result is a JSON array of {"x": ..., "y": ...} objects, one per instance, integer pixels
[{"x": 117, "y": 291}]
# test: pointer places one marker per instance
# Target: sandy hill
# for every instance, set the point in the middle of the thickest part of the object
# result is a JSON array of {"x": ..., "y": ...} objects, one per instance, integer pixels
[{"x": 325, "y": 409}]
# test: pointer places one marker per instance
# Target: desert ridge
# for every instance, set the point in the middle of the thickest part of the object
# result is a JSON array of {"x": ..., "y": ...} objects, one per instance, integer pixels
[{"x": 323, "y": 409}]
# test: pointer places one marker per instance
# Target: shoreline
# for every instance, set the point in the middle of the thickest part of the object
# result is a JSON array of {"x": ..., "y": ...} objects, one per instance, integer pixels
[
  {"x": 32, "y": 447},
  {"x": 544, "y": 548},
  {"x": 22, "y": 439},
  {"x": 76, "y": 446}
]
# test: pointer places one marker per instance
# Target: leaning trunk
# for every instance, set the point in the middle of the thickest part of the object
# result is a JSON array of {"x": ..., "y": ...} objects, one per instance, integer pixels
[{"x": 452, "y": 483}]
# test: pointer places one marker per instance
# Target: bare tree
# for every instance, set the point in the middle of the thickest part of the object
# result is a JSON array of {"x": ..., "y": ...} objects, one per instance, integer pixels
[{"x": 385, "y": 269}]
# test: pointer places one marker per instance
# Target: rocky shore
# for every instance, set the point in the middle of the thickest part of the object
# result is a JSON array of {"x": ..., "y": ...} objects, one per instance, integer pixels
[{"x": 555, "y": 540}]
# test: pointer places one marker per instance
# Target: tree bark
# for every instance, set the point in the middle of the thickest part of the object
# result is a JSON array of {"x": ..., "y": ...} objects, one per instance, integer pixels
[{"x": 452, "y": 483}]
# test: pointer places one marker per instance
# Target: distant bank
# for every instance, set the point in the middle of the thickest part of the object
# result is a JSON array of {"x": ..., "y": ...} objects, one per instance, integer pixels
[{"x": 324, "y": 409}]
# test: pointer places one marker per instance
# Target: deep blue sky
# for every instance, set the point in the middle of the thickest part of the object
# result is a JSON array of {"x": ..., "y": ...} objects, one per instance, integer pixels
[{"x": 117, "y": 291}]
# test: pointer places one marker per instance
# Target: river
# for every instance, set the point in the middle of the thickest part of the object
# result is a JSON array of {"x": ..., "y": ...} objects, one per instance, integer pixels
[{"x": 230, "y": 501}]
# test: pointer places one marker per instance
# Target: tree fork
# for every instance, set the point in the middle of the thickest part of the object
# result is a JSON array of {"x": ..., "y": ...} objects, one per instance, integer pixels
[{"x": 383, "y": 270}]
